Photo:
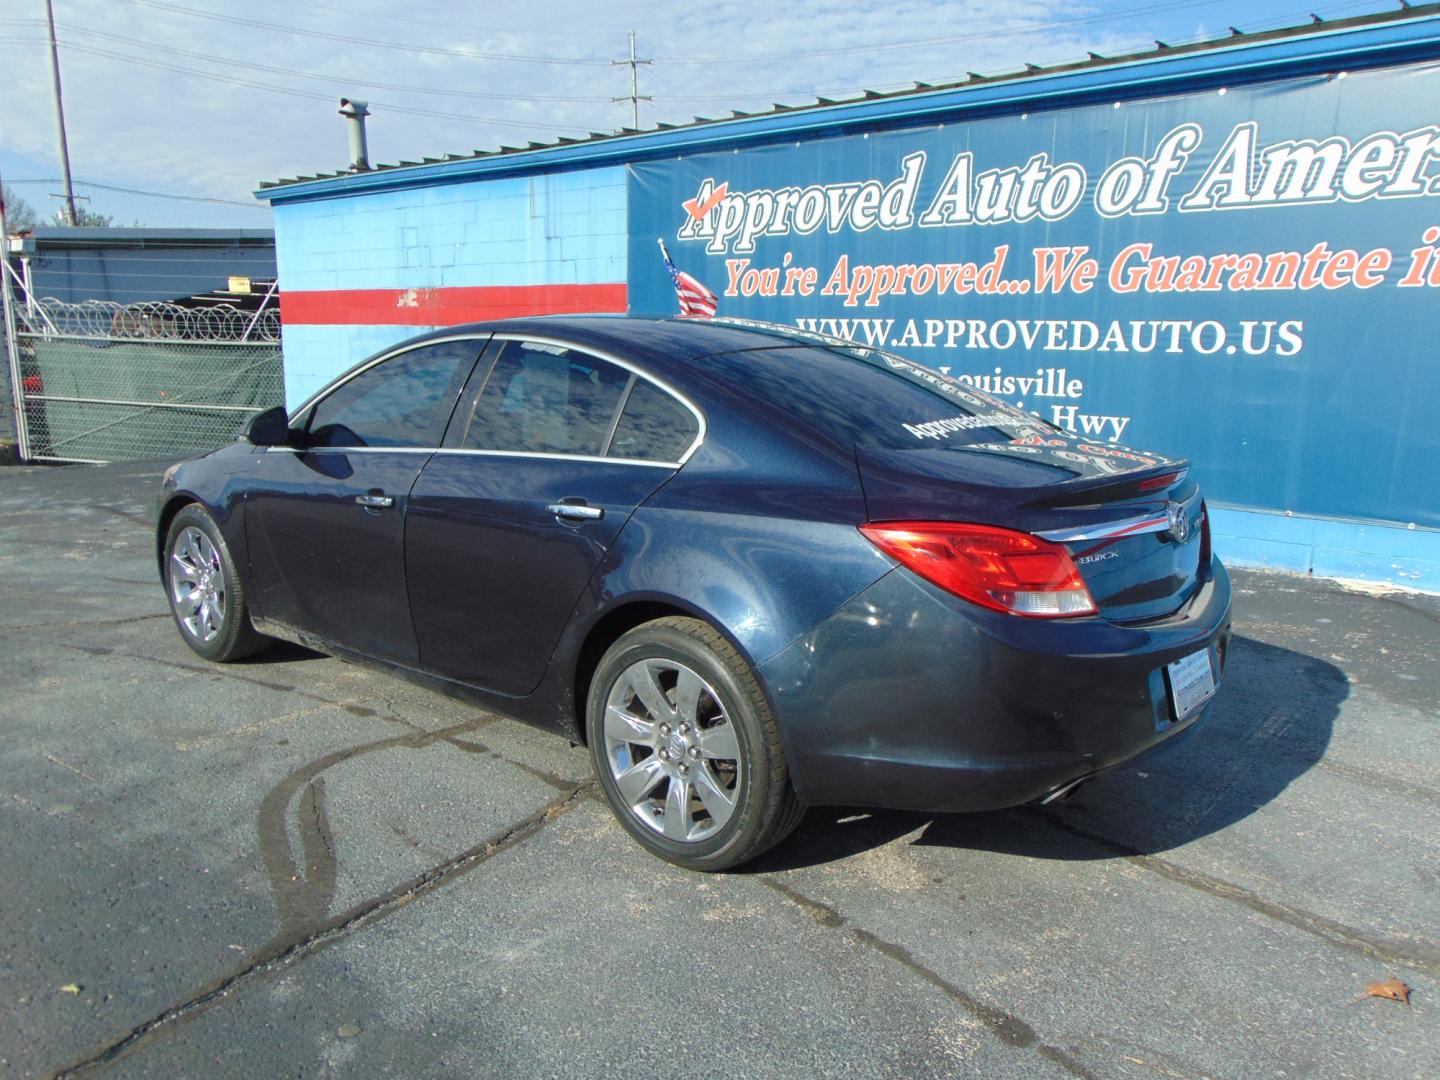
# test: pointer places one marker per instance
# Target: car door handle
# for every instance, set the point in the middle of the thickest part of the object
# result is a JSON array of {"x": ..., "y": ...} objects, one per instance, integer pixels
[
  {"x": 375, "y": 501},
  {"x": 575, "y": 511}
]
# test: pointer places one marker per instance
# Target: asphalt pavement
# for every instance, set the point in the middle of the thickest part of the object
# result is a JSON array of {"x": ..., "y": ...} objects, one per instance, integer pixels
[{"x": 298, "y": 867}]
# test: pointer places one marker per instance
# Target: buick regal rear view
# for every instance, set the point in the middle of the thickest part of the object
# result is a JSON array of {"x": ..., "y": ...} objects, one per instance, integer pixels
[{"x": 754, "y": 570}]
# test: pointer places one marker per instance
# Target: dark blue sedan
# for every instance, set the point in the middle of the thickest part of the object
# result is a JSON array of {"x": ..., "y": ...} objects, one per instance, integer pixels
[{"x": 753, "y": 569}]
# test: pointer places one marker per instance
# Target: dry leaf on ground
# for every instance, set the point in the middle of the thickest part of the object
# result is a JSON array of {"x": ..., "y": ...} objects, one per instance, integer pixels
[{"x": 1391, "y": 988}]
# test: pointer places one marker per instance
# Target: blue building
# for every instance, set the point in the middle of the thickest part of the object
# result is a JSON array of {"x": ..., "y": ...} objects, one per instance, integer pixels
[
  {"x": 1228, "y": 251},
  {"x": 131, "y": 265}
]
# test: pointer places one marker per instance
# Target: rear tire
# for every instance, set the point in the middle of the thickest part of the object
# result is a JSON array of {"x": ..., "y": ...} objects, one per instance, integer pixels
[
  {"x": 207, "y": 598},
  {"x": 685, "y": 748}
]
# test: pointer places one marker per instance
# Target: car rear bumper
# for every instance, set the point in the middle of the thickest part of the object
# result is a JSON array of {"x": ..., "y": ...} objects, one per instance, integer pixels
[{"x": 910, "y": 698}]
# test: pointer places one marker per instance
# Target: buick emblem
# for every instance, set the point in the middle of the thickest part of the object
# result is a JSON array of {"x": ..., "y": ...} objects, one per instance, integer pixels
[{"x": 1179, "y": 522}]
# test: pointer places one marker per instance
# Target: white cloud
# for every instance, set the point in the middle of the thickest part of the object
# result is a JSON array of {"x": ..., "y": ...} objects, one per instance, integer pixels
[{"x": 131, "y": 123}]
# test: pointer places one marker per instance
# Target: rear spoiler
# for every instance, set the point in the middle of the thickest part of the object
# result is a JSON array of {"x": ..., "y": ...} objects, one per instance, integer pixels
[{"x": 1091, "y": 491}]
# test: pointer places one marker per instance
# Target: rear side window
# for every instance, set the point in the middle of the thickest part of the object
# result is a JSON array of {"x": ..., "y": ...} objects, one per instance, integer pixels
[
  {"x": 401, "y": 402},
  {"x": 877, "y": 400},
  {"x": 543, "y": 398},
  {"x": 654, "y": 426}
]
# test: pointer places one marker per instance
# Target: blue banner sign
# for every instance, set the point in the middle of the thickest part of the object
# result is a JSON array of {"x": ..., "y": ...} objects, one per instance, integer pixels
[{"x": 1249, "y": 277}]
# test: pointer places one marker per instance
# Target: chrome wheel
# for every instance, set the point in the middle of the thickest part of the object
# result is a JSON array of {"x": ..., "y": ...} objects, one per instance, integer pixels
[
  {"x": 672, "y": 750},
  {"x": 197, "y": 585}
]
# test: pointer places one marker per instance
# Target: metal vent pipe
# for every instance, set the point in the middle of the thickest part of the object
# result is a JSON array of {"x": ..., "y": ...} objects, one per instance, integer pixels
[{"x": 354, "y": 111}]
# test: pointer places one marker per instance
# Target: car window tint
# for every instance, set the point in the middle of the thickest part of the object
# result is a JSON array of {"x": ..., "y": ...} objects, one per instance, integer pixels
[
  {"x": 403, "y": 401},
  {"x": 865, "y": 397},
  {"x": 654, "y": 426},
  {"x": 547, "y": 399}
]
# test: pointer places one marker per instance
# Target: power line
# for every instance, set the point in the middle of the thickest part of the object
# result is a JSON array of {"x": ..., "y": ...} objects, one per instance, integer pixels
[
  {"x": 982, "y": 35},
  {"x": 410, "y": 20},
  {"x": 434, "y": 50},
  {"x": 527, "y": 124},
  {"x": 314, "y": 95},
  {"x": 732, "y": 58},
  {"x": 148, "y": 194},
  {"x": 730, "y": 96},
  {"x": 1140, "y": 45},
  {"x": 299, "y": 73},
  {"x": 347, "y": 80}
]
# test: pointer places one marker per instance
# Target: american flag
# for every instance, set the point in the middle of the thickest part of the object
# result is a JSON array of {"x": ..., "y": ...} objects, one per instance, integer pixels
[{"x": 695, "y": 299}]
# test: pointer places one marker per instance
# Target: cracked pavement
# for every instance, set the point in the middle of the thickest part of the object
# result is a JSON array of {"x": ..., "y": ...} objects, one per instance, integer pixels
[{"x": 295, "y": 866}]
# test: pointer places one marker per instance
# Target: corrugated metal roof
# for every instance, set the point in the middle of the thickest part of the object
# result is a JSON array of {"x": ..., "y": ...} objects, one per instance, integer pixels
[
  {"x": 55, "y": 236},
  {"x": 922, "y": 100}
]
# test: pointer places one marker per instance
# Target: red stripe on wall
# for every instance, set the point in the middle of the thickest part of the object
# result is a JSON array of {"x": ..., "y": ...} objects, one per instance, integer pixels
[{"x": 445, "y": 306}]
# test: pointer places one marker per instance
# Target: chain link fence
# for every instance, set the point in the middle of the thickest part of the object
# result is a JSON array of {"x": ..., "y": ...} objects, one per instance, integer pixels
[{"x": 102, "y": 381}]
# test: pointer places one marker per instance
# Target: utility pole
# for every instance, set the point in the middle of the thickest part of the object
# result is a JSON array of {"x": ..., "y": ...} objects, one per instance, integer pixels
[
  {"x": 635, "y": 96},
  {"x": 70, "y": 215}
]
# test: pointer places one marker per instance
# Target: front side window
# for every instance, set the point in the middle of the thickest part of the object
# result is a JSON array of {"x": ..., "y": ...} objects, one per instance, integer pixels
[
  {"x": 543, "y": 398},
  {"x": 401, "y": 402}
]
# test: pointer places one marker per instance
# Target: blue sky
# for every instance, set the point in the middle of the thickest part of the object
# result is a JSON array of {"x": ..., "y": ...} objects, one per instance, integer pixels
[{"x": 159, "y": 98}]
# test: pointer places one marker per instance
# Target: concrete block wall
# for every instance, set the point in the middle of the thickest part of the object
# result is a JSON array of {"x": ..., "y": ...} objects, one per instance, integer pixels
[{"x": 360, "y": 273}]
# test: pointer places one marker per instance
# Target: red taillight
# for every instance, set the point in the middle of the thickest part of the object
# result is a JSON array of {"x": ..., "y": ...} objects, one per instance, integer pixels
[{"x": 996, "y": 568}]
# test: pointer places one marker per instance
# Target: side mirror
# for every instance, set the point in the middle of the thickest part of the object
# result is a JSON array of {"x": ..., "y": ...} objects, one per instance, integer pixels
[{"x": 269, "y": 428}]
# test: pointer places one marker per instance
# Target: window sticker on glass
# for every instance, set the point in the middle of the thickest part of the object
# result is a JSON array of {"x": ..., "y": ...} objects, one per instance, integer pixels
[{"x": 940, "y": 429}]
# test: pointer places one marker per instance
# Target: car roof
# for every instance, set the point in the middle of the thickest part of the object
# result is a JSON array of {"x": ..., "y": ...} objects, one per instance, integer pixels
[
  {"x": 678, "y": 338},
  {"x": 757, "y": 377},
  {"x": 753, "y": 373}
]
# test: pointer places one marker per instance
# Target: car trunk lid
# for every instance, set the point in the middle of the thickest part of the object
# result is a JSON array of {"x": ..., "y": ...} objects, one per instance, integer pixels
[{"x": 1131, "y": 520}]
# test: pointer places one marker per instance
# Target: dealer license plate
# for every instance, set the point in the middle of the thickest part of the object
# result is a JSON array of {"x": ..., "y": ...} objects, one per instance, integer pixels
[{"x": 1192, "y": 683}]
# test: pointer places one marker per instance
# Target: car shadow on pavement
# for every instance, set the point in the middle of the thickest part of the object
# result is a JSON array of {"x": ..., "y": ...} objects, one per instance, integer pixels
[
  {"x": 1270, "y": 723},
  {"x": 280, "y": 652}
]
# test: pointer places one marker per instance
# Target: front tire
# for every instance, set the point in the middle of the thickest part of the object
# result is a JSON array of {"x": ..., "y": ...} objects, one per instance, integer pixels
[
  {"x": 685, "y": 748},
  {"x": 206, "y": 596}
]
